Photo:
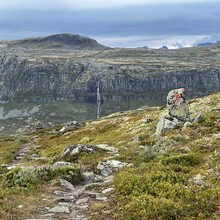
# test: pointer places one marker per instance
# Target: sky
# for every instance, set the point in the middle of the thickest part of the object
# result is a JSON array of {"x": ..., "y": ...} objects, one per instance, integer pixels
[{"x": 115, "y": 23}]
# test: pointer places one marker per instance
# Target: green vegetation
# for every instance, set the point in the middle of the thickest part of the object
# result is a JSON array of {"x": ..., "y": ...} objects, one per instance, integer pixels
[{"x": 175, "y": 176}]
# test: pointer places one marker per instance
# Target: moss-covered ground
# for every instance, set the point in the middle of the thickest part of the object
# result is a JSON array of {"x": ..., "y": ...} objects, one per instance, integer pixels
[{"x": 175, "y": 176}]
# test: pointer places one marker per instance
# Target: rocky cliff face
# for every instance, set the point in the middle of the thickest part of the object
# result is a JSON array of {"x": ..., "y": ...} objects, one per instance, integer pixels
[{"x": 38, "y": 77}]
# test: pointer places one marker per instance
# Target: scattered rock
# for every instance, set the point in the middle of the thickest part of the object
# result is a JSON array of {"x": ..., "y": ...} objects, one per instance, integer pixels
[
  {"x": 82, "y": 201},
  {"x": 108, "y": 191},
  {"x": 198, "y": 180},
  {"x": 70, "y": 126},
  {"x": 147, "y": 120},
  {"x": 166, "y": 123},
  {"x": 66, "y": 184},
  {"x": 59, "y": 192},
  {"x": 98, "y": 178},
  {"x": 137, "y": 139},
  {"x": 62, "y": 164},
  {"x": 108, "y": 179},
  {"x": 101, "y": 198},
  {"x": 39, "y": 125},
  {"x": 4, "y": 165},
  {"x": 64, "y": 204},
  {"x": 107, "y": 167},
  {"x": 34, "y": 156},
  {"x": 88, "y": 176},
  {"x": 59, "y": 209},
  {"x": 185, "y": 149},
  {"x": 20, "y": 206},
  {"x": 74, "y": 150},
  {"x": 106, "y": 147}
]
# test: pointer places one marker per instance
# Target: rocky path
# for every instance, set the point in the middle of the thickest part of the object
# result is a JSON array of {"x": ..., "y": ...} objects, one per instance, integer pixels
[
  {"x": 73, "y": 202},
  {"x": 62, "y": 200},
  {"x": 23, "y": 153}
]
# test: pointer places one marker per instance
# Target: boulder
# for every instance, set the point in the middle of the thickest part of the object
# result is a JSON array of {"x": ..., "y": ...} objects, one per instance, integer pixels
[
  {"x": 105, "y": 168},
  {"x": 70, "y": 126},
  {"x": 166, "y": 123},
  {"x": 66, "y": 184},
  {"x": 106, "y": 147},
  {"x": 39, "y": 125},
  {"x": 75, "y": 150}
]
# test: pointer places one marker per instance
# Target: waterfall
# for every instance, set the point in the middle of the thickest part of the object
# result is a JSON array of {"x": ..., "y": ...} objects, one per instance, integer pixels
[{"x": 98, "y": 94}]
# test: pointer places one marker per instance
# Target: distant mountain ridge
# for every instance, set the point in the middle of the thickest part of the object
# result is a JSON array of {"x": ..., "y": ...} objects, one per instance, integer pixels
[
  {"x": 57, "y": 41},
  {"x": 208, "y": 44}
]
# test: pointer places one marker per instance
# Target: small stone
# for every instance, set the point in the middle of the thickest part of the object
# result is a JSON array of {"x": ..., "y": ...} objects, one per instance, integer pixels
[
  {"x": 88, "y": 176},
  {"x": 101, "y": 198},
  {"x": 20, "y": 206},
  {"x": 185, "y": 149},
  {"x": 98, "y": 178},
  {"x": 84, "y": 207},
  {"x": 198, "y": 180},
  {"x": 59, "y": 209},
  {"x": 106, "y": 147},
  {"x": 4, "y": 165},
  {"x": 108, "y": 191},
  {"x": 64, "y": 204},
  {"x": 147, "y": 120},
  {"x": 68, "y": 198},
  {"x": 66, "y": 184},
  {"x": 137, "y": 139},
  {"x": 34, "y": 156},
  {"x": 186, "y": 124},
  {"x": 82, "y": 201},
  {"x": 109, "y": 179},
  {"x": 107, "y": 167},
  {"x": 59, "y": 192},
  {"x": 61, "y": 164}
]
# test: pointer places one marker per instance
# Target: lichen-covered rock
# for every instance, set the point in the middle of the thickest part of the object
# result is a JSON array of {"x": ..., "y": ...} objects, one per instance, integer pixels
[
  {"x": 106, "y": 147},
  {"x": 106, "y": 168},
  {"x": 166, "y": 123},
  {"x": 70, "y": 126},
  {"x": 72, "y": 152}
]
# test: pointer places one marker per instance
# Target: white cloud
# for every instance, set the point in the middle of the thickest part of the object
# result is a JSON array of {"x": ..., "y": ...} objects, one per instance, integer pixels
[
  {"x": 172, "y": 42},
  {"x": 82, "y": 4}
]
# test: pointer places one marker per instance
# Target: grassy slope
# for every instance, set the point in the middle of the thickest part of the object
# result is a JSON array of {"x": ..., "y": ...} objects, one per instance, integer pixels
[{"x": 161, "y": 183}]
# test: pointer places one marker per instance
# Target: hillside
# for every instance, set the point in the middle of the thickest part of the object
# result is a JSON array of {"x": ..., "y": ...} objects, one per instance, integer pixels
[
  {"x": 57, "y": 41},
  {"x": 174, "y": 176}
]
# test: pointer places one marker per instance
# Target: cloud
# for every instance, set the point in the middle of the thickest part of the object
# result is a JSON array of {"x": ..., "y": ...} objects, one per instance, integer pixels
[
  {"x": 83, "y": 4},
  {"x": 172, "y": 42}
]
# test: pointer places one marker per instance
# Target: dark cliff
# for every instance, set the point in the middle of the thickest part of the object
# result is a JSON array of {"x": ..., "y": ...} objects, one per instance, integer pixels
[{"x": 121, "y": 73}]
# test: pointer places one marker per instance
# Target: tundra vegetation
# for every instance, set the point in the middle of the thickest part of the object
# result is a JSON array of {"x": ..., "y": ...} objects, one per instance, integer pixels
[{"x": 174, "y": 176}]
